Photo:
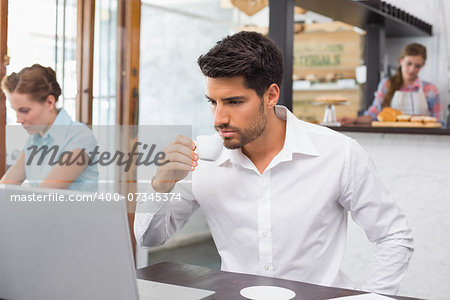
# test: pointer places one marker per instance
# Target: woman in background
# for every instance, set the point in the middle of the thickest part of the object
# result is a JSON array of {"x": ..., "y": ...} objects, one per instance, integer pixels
[
  {"x": 404, "y": 90},
  {"x": 33, "y": 93}
]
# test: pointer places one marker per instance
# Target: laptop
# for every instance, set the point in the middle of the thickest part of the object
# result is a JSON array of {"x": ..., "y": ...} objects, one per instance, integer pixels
[{"x": 57, "y": 244}]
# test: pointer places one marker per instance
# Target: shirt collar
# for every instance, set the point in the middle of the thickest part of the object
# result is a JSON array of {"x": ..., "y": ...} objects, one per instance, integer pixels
[
  {"x": 59, "y": 127},
  {"x": 415, "y": 85},
  {"x": 234, "y": 156},
  {"x": 296, "y": 141}
]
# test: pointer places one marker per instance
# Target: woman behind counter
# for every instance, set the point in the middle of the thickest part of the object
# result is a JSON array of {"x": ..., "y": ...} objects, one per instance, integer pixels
[
  {"x": 33, "y": 93},
  {"x": 404, "y": 90}
]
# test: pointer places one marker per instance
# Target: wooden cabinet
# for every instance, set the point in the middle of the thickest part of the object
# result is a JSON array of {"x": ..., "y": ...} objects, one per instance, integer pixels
[
  {"x": 327, "y": 49},
  {"x": 326, "y": 53}
]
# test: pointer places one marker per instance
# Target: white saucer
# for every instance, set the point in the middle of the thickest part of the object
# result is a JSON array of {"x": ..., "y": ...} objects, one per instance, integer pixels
[{"x": 267, "y": 293}]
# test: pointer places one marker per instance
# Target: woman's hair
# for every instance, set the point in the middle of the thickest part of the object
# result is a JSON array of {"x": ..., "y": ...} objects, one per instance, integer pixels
[
  {"x": 37, "y": 81},
  {"x": 396, "y": 80}
]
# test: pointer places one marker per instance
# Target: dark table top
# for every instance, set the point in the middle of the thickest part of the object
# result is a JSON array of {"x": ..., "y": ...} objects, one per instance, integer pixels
[
  {"x": 402, "y": 130},
  {"x": 228, "y": 285}
]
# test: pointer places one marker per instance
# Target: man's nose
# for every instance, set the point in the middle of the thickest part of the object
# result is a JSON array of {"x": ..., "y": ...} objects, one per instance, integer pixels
[{"x": 220, "y": 115}]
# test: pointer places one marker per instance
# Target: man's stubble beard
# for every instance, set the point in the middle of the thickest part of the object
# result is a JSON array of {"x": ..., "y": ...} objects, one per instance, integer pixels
[{"x": 246, "y": 135}]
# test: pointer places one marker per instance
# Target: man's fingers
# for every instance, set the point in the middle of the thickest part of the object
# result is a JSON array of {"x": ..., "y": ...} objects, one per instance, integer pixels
[
  {"x": 180, "y": 149},
  {"x": 177, "y": 157},
  {"x": 177, "y": 166},
  {"x": 183, "y": 140}
]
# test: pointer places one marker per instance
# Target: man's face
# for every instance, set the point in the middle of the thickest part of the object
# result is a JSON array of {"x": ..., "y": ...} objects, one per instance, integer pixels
[{"x": 238, "y": 111}]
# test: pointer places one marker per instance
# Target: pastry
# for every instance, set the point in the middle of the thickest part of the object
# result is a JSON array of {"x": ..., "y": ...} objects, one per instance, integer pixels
[
  {"x": 418, "y": 119},
  {"x": 428, "y": 119},
  {"x": 388, "y": 114},
  {"x": 404, "y": 118}
]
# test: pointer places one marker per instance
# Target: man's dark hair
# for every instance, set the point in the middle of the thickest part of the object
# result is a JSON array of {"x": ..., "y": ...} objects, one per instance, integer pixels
[{"x": 249, "y": 54}]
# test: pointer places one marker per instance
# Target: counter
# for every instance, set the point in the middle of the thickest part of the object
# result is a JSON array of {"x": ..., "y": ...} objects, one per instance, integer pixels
[
  {"x": 415, "y": 166},
  {"x": 399, "y": 130}
]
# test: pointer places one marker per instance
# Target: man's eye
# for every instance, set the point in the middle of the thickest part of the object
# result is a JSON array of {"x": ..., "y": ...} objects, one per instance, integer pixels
[
  {"x": 235, "y": 102},
  {"x": 24, "y": 111},
  {"x": 212, "y": 102}
]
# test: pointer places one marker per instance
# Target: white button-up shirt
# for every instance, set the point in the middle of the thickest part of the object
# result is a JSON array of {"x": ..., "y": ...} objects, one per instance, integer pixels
[{"x": 291, "y": 221}]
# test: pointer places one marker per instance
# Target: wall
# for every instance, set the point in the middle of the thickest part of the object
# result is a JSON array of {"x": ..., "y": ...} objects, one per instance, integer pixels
[
  {"x": 416, "y": 168},
  {"x": 438, "y": 45}
]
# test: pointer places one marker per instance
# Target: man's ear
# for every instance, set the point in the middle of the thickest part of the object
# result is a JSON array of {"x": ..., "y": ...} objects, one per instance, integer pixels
[{"x": 272, "y": 95}]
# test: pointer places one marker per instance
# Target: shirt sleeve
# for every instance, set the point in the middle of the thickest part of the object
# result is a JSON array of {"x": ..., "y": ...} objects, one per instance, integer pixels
[
  {"x": 81, "y": 138},
  {"x": 372, "y": 206},
  {"x": 434, "y": 103},
  {"x": 156, "y": 221},
  {"x": 377, "y": 103}
]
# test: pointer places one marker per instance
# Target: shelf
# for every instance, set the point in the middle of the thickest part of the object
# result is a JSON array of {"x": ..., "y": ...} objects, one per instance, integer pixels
[
  {"x": 325, "y": 88},
  {"x": 361, "y": 13},
  {"x": 303, "y": 85},
  {"x": 370, "y": 129}
]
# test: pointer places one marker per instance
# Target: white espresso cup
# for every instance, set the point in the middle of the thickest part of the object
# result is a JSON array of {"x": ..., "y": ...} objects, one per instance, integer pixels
[{"x": 209, "y": 147}]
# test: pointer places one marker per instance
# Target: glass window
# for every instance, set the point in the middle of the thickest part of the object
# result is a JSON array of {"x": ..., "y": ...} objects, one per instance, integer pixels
[
  {"x": 173, "y": 35},
  {"x": 42, "y": 32},
  {"x": 52, "y": 38},
  {"x": 105, "y": 45},
  {"x": 65, "y": 53}
]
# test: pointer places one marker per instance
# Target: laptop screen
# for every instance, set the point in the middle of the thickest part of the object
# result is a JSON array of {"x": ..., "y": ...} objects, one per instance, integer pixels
[{"x": 58, "y": 244}]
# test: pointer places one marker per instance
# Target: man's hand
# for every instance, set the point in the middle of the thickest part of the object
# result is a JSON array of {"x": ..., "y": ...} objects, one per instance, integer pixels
[{"x": 181, "y": 160}]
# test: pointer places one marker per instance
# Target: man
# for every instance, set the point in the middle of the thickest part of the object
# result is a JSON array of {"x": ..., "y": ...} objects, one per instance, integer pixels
[{"x": 277, "y": 198}]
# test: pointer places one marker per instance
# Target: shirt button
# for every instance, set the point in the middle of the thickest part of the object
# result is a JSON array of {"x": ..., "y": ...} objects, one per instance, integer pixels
[
  {"x": 264, "y": 234},
  {"x": 266, "y": 267}
]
